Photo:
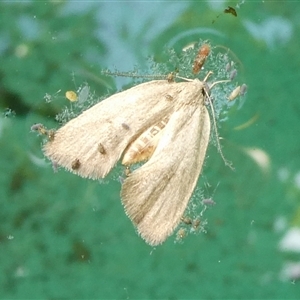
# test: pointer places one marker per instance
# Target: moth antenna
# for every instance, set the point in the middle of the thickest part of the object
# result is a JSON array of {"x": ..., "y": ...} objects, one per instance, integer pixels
[
  {"x": 215, "y": 83},
  {"x": 227, "y": 163},
  {"x": 220, "y": 81},
  {"x": 183, "y": 78},
  {"x": 132, "y": 74},
  {"x": 207, "y": 75}
]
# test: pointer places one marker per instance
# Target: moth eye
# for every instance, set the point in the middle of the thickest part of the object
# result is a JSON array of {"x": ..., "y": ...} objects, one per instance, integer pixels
[
  {"x": 206, "y": 93},
  {"x": 75, "y": 164},
  {"x": 206, "y": 89}
]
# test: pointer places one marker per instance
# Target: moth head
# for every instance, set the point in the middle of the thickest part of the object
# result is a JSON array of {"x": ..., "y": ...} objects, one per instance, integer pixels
[
  {"x": 208, "y": 86},
  {"x": 206, "y": 93}
]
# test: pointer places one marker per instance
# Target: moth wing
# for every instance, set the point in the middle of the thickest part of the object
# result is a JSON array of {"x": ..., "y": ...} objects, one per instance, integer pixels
[
  {"x": 101, "y": 127},
  {"x": 156, "y": 194}
]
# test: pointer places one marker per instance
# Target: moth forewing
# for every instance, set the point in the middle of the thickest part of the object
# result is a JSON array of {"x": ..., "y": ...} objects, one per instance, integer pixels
[
  {"x": 80, "y": 137},
  {"x": 161, "y": 121},
  {"x": 156, "y": 195}
]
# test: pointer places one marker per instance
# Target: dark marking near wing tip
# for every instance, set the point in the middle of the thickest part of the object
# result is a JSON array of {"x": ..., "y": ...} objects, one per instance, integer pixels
[
  {"x": 230, "y": 10},
  {"x": 169, "y": 97},
  {"x": 125, "y": 126},
  {"x": 101, "y": 149},
  {"x": 75, "y": 164}
]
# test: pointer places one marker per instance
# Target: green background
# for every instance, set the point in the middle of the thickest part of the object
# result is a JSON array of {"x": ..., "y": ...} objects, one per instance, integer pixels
[{"x": 63, "y": 237}]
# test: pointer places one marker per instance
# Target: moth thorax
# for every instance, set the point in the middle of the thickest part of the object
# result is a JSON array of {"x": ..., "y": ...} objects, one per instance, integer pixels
[{"x": 143, "y": 147}]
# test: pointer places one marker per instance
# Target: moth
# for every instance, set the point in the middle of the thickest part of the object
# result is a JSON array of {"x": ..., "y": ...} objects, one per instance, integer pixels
[{"x": 164, "y": 124}]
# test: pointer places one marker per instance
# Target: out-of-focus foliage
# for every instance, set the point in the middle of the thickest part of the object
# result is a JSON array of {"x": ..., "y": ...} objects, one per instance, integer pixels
[{"x": 44, "y": 49}]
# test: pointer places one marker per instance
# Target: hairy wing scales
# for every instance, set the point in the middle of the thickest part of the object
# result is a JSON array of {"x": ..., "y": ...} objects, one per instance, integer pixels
[
  {"x": 140, "y": 107},
  {"x": 154, "y": 195}
]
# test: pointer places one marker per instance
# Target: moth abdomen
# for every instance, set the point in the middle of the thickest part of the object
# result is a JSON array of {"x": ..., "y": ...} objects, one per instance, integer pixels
[{"x": 144, "y": 146}]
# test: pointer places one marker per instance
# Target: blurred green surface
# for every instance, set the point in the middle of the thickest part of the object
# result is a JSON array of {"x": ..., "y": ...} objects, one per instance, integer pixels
[{"x": 63, "y": 237}]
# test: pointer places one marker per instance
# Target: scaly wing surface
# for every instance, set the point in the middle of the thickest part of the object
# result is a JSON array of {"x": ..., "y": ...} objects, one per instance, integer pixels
[
  {"x": 156, "y": 194},
  {"x": 96, "y": 139}
]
